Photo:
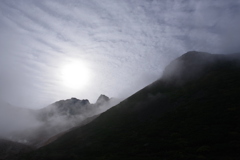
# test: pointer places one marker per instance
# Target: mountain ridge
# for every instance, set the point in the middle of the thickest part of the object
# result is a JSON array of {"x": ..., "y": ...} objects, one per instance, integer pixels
[
  {"x": 153, "y": 114},
  {"x": 195, "y": 119},
  {"x": 49, "y": 121}
]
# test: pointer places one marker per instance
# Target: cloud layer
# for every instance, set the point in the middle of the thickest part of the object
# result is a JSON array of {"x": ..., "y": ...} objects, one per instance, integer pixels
[{"x": 125, "y": 44}]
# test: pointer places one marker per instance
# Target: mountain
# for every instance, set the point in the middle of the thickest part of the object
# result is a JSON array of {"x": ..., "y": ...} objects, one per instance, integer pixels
[
  {"x": 9, "y": 149},
  {"x": 193, "y": 65},
  {"x": 68, "y": 108},
  {"x": 192, "y": 112},
  {"x": 40, "y": 125},
  {"x": 102, "y": 99}
]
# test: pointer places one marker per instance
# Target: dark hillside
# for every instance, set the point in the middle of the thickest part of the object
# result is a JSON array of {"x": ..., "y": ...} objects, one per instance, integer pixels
[
  {"x": 196, "y": 119},
  {"x": 11, "y": 149}
]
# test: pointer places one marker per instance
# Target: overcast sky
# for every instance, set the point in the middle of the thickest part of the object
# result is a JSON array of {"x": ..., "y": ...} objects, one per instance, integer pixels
[{"x": 112, "y": 47}]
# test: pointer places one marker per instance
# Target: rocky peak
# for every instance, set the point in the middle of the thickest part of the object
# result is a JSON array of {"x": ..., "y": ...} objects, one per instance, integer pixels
[
  {"x": 102, "y": 99},
  {"x": 85, "y": 102},
  {"x": 72, "y": 101}
]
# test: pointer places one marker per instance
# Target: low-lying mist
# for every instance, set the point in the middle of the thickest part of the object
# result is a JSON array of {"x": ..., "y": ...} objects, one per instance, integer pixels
[
  {"x": 13, "y": 119},
  {"x": 34, "y": 127}
]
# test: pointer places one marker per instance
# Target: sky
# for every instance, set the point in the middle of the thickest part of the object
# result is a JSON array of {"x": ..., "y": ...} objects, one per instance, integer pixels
[{"x": 58, "y": 49}]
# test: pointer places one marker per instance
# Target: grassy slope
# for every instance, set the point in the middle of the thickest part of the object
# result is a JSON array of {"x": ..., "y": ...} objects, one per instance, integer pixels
[{"x": 199, "y": 120}]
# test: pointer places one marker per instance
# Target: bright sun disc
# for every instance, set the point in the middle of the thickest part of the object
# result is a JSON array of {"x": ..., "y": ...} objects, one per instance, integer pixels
[{"x": 75, "y": 75}]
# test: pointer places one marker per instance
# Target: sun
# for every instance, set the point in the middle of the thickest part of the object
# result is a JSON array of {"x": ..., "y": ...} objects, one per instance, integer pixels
[{"x": 75, "y": 75}]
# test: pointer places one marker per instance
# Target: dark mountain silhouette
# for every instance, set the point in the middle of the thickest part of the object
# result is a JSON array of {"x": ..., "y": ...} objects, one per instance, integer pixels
[
  {"x": 9, "y": 149},
  {"x": 193, "y": 65},
  {"x": 192, "y": 112}
]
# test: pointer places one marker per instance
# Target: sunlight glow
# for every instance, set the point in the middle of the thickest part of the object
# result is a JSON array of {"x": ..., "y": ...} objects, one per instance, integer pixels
[{"x": 75, "y": 75}]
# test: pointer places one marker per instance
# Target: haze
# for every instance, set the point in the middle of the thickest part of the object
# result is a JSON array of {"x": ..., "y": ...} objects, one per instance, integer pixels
[{"x": 119, "y": 46}]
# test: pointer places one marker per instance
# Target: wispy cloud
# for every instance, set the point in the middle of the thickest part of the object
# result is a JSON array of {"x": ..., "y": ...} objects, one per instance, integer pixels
[{"x": 126, "y": 44}]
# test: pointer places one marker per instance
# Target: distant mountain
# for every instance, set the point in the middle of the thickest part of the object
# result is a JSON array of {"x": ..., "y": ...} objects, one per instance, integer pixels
[
  {"x": 72, "y": 109},
  {"x": 102, "y": 99},
  {"x": 54, "y": 119},
  {"x": 192, "y": 112},
  {"x": 69, "y": 108}
]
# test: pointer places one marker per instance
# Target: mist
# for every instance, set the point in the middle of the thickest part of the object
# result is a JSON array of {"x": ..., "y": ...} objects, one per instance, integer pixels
[
  {"x": 14, "y": 119},
  {"x": 119, "y": 46},
  {"x": 193, "y": 64},
  {"x": 35, "y": 127}
]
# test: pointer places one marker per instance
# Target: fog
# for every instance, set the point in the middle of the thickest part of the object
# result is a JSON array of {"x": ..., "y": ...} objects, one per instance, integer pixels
[
  {"x": 13, "y": 119},
  {"x": 120, "y": 46},
  {"x": 193, "y": 65},
  {"x": 35, "y": 127}
]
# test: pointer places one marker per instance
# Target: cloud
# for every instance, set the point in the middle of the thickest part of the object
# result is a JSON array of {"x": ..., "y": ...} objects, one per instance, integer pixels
[{"x": 126, "y": 44}]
